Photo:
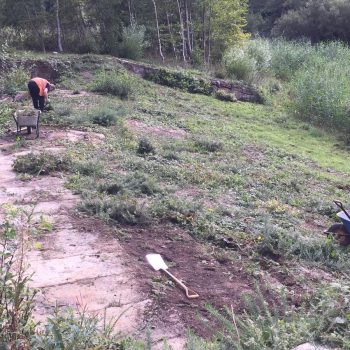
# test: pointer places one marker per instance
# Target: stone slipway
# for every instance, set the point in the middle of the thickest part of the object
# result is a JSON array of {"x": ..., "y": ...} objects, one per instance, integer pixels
[{"x": 79, "y": 263}]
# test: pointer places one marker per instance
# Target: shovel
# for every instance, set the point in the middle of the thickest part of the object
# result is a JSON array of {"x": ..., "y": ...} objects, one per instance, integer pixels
[
  {"x": 340, "y": 205},
  {"x": 157, "y": 262}
]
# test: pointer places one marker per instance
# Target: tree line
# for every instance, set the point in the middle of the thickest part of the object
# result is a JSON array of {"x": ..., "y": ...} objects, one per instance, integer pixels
[
  {"x": 186, "y": 30},
  {"x": 192, "y": 31},
  {"x": 314, "y": 20}
]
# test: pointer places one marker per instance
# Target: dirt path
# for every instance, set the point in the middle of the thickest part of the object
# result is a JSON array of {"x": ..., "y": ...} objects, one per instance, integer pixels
[{"x": 79, "y": 262}]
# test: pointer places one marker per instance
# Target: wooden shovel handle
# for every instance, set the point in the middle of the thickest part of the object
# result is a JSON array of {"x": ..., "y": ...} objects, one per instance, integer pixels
[{"x": 190, "y": 294}]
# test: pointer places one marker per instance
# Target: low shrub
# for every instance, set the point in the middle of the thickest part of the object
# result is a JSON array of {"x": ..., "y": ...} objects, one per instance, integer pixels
[
  {"x": 145, "y": 146},
  {"x": 205, "y": 145},
  {"x": 69, "y": 329},
  {"x": 324, "y": 252},
  {"x": 128, "y": 212},
  {"x": 181, "y": 80},
  {"x": 41, "y": 163},
  {"x": 117, "y": 83},
  {"x": 136, "y": 184},
  {"x": 225, "y": 95},
  {"x": 93, "y": 206},
  {"x": 89, "y": 167},
  {"x": 106, "y": 116}
]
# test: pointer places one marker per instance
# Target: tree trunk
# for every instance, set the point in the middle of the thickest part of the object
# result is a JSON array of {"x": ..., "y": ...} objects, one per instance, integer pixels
[
  {"x": 58, "y": 23},
  {"x": 171, "y": 34},
  {"x": 182, "y": 33},
  {"x": 188, "y": 30},
  {"x": 204, "y": 38},
  {"x": 158, "y": 33},
  {"x": 130, "y": 13},
  {"x": 209, "y": 37}
]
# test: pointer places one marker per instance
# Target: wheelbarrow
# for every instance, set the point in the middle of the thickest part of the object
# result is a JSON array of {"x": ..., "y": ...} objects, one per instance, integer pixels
[
  {"x": 341, "y": 232},
  {"x": 29, "y": 120}
]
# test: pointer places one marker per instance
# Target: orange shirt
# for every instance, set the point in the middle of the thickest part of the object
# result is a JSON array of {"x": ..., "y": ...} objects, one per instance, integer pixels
[{"x": 42, "y": 83}]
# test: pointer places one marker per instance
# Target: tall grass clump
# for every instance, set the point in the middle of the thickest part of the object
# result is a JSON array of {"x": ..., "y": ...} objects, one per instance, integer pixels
[
  {"x": 239, "y": 65},
  {"x": 279, "y": 326},
  {"x": 321, "y": 93},
  {"x": 287, "y": 57},
  {"x": 250, "y": 61},
  {"x": 115, "y": 82}
]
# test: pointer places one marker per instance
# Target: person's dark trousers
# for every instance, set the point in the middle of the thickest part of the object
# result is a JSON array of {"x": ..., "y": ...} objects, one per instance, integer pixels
[{"x": 38, "y": 101}]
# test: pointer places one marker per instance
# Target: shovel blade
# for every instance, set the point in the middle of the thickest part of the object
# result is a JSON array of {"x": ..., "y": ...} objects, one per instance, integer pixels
[{"x": 156, "y": 261}]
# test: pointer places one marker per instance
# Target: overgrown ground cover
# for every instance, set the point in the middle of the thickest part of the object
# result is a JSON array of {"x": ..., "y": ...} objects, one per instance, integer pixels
[{"x": 245, "y": 180}]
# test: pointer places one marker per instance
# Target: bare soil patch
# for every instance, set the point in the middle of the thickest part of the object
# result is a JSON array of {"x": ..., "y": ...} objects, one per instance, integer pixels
[
  {"x": 141, "y": 128},
  {"x": 218, "y": 283}
]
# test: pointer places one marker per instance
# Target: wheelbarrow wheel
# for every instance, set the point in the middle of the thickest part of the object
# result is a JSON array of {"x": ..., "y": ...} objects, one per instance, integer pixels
[{"x": 338, "y": 231}]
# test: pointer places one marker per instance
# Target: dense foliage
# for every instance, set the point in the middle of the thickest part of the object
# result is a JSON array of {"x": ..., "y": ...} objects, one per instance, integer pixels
[
  {"x": 317, "y": 20},
  {"x": 185, "y": 29}
]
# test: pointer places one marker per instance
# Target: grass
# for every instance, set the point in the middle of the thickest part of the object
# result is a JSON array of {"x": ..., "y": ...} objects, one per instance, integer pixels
[{"x": 241, "y": 172}]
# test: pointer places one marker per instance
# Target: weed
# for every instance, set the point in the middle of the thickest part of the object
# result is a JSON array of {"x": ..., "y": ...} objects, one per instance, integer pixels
[
  {"x": 128, "y": 212},
  {"x": 41, "y": 163},
  {"x": 205, "y": 145},
  {"x": 66, "y": 329},
  {"x": 16, "y": 299},
  {"x": 63, "y": 111},
  {"x": 93, "y": 206}
]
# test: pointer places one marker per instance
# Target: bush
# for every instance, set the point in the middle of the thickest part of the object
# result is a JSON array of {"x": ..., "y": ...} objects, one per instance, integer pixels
[
  {"x": 133, "y": 41},
  {"x": 41, "y": 163},
  {"x": 13, "y": 81},
  {"x": 145, "y": 146},
  {"x": 106, "y": 116},
  {"x": 117, "y": 83}
]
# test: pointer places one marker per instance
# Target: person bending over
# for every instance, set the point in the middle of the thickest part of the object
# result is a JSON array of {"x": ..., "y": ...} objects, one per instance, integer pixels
[{"x": 38, "y": 89}]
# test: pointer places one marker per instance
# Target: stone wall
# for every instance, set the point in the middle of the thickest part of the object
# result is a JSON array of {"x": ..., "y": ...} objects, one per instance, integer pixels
[{"x": 242, "y": 91}]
